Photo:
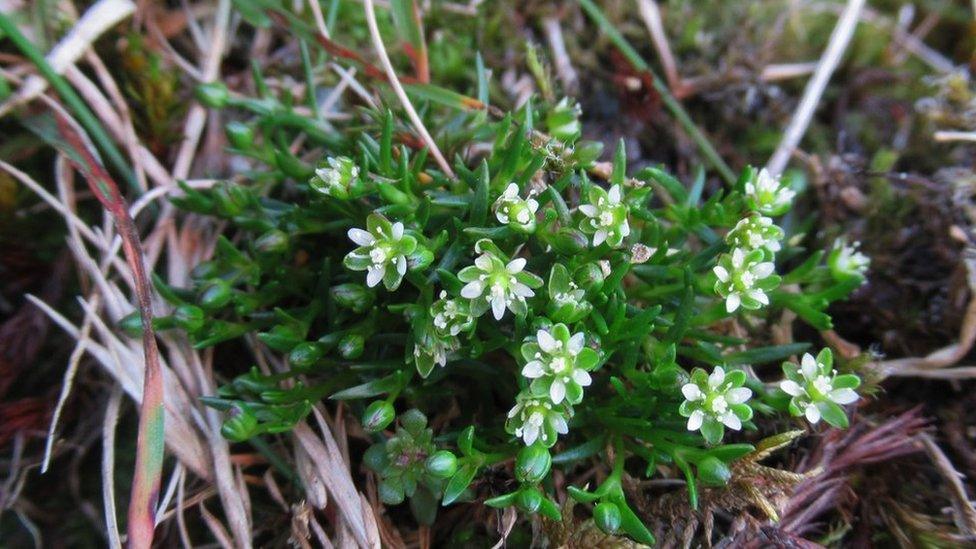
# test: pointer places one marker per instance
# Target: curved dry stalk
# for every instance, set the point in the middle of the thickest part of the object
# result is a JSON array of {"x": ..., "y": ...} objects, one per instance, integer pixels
[{"x": 401, "y": 94}]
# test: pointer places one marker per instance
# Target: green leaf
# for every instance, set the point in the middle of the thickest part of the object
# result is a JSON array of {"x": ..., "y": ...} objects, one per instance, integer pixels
[
  {"x": 372, "y": 388},
  {"x": 479, "y": 204},
  {"x": 763, "y": 355},
  {"x": 459, "y": 482},
  {"x": 833, "y": 414}
]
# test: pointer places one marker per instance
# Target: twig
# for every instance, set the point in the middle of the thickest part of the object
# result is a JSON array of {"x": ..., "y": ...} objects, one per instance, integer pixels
[
  {"x": 651, "y": 15},
  {"x": 561, "y": 61},
  {"x": 672, "y": 104},
  {"x": 948, "y": 135},
  {"x": 964, "y": 514},
  {"x": 391, "y": 76},
  {"x": 839, "y": 39}
]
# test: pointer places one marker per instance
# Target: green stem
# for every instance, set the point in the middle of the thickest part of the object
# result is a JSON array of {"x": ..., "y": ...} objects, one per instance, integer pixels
[
  {"x": 75, "y": 103},
  {"x": 670, "y": 102}
]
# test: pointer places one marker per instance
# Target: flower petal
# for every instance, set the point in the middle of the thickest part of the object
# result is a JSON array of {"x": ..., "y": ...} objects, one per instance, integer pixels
[
  {"x": 472, "y": 289},
  {"x": 402, "y": 265},
  {"x": 812, "y": 413},
  {"x": 843, "y": 396},
  {"x": 716, "y": 377},
  {"x": 738, "y": 395},
  {"x": 546, "y": 342},
  {"x": 374, "y": 275},
  {"x": 483, "y": 262},
  {"x": 614, "y": 194},
  {"x": 732, "y": 302},
  {"x": 582, "y": 378},
  {"x": 533, "y": 370},
  {"x": 361, "y": 237},
  {"x": 691, "y": 392},
  {"x": 589, "y": 210},
  {"x": 498, "y": 306},
  {"x": 600, "y": 237},
  {"x": 576, "y": 343},
  {"x": 809, "y": 366},
  {"x": 397, "y": 230},
  {"x": 791, "y": 387},
  {"x": 557, "y": 391},
  {"x": 516, "y": 265},
  {"x": 731, "y": 421},
  {"x": 763, "y": 270},
  {"x": 721, "y": 273},
  {"x": 522, "y": 290},
  {"x": 695, "y": 420}
]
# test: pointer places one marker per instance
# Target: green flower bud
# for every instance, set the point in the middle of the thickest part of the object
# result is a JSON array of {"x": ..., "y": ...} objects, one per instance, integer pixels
[
  {"x": 305, "y": 355},
  {"x": 271, "y": 242},
  {"x": 216, "y": 294},
  {"x": 587, "y": 152},
  {"x": 351, "y": 346},
  {"x": 442, "y": 464},
  {"x": 532, "y": 463},
  {"x": 213, "y": 95},
  {"x": 188, "y": 317},
  {"x": 569, "y": 241},
  {"x": 240, "y": 135},
  {"x": 354, "y": 297},
  {"x": 378, "y": 415},
  {"x": 420, "y": 259},
  {"x": 529, "y": 499},
  {"x": 590, "y": 277},
  {"x": 131, "y": 324},
  {"x": 607, "y": 517},
  {"x": 713, "y": 472},
  {"x": 241, "y": 426}
]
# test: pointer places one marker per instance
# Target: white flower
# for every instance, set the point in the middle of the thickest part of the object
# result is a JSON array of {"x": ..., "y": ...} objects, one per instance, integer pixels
[
  {"x": 537, "y": 419},
  {"x": 743, "y": 279},
  {"x": 559, "y": 364},
  {"x": 606, "y": 216},
  {"x": 491, "y": 282},
  {"x": 816, "y": 388},
  {"x": 336, "y": 178},
  {"x": 516, "y": 212},
  {"x": 382, "y": 252},
  {"x": 755, "y": 232},
  {"x": 767, "y": 195},
  {"x": 715, "y": 400},
  {"x": 846, "y": 261},
  {"x": 450, "y": 316}
]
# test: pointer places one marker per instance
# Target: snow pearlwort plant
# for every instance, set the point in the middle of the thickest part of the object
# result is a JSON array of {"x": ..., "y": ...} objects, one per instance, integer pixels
[{"x": 532, "y": 312}]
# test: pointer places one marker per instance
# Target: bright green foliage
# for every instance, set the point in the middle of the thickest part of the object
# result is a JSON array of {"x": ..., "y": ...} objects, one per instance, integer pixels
[{"x": 610, "y": 301}]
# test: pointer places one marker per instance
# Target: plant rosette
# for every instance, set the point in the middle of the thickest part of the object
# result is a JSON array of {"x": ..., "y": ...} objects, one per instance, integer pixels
[
  {"x": 715, "y": 401},
  {"x": 817, "y": 391},
  {"x": 559, "y": 364},
  {"x": 382, "y": 252}
]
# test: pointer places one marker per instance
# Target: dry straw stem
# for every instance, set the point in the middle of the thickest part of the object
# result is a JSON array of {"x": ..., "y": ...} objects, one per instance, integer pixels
[
  {"x": 394, "y": 81},
  {"x": 962, "y": 509},
  {"x": 839, "y": 39},
  {"x": 96, "y": 20}
]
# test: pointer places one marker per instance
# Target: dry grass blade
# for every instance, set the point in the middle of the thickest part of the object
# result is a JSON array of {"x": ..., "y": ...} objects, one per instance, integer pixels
[
  {"x": 151, "y": 437},
  {"x": 963, "y": 512},
  {"x": 108, "y": 466}
]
